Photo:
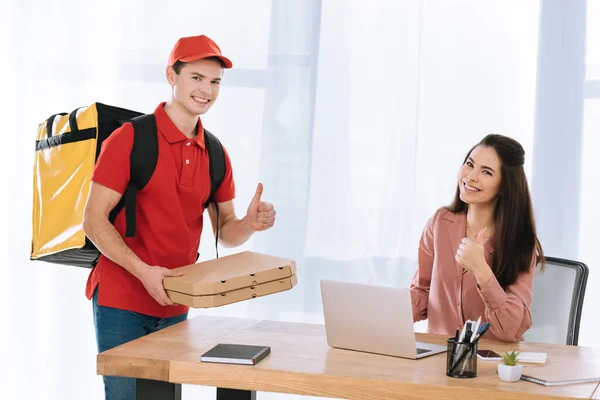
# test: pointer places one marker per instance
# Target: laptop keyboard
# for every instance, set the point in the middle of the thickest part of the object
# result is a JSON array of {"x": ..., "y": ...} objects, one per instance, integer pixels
[{"x": 421, "y": 351}]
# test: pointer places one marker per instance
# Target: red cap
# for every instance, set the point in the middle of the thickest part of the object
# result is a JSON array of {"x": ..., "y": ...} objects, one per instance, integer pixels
[{"x": 194, "y": 48}]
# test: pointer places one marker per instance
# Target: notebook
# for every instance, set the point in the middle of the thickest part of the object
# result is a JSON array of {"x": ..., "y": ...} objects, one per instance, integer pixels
[
  {"x": 531, "y": 357},
  {"x": 236, "y": 354},
  {"x": 561, "y": 373}
]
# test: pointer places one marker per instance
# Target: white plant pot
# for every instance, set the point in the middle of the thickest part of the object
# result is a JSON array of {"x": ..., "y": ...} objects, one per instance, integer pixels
[{"x": 510, "y": 373}]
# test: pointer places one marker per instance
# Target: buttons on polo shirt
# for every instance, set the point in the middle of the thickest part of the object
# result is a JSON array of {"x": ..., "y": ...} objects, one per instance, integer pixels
[{"x": 188, "y": 162}]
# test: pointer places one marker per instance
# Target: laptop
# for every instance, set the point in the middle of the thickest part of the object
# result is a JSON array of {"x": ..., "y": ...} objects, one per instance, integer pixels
[{"x": 372, "y": 319}]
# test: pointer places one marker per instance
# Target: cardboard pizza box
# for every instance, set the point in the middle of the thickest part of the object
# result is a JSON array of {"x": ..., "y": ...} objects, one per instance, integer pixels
[
  {"x": 233, "y": 272},
  {"x": 234, "y": 296}
]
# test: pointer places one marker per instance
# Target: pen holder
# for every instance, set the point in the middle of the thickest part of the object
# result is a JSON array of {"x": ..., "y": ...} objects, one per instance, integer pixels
[{"x": 461, "y": 359}]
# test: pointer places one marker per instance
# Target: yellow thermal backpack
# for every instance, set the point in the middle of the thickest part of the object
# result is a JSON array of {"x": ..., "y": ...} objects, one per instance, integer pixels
[{"x": 66, "y": 149}]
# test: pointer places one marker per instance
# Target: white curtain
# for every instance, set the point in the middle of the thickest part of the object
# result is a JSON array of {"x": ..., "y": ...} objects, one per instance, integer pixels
[
  {"x": 590, "y": 175},
  {"x": 355, "y": 115}
]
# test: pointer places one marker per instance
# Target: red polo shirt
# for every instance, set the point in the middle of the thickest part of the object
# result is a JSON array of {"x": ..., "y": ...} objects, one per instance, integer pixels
[{"x": 169, "y": 211}]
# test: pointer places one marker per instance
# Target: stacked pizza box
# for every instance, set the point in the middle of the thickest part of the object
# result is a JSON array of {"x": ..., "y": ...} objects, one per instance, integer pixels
[{"x": 231, "y": 279}]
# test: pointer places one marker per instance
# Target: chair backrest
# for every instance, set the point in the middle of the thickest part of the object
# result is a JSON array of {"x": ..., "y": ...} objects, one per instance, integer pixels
[{"x": 557, "y": 302}]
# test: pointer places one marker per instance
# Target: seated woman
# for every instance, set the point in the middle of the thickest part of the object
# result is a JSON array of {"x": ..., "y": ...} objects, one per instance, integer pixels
[{"x": 477, "y": 256}]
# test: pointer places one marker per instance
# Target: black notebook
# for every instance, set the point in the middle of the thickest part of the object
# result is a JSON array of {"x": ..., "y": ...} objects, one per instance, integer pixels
[{"x": 236, "y": 354}]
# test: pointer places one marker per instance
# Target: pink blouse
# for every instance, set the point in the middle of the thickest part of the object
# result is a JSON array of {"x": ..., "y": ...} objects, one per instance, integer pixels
[{"x": 447, "y": 295}]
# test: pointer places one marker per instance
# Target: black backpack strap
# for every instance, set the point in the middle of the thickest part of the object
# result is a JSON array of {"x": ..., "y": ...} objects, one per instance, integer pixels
[
  {"x": 216, "y": 168},
  {"x": 143, "y": 159},
  {"x": 216, "y": 159}
]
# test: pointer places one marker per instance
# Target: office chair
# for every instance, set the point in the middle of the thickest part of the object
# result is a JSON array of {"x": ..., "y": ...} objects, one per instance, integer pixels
[{"x": 557, "y": 302}]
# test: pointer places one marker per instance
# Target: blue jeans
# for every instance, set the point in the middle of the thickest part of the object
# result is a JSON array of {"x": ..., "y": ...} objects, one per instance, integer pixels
[{"x": 115, "y": 327}]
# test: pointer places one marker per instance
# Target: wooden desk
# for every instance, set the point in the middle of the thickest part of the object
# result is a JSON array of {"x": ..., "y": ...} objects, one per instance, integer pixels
[{"x": 302, "y": 363}]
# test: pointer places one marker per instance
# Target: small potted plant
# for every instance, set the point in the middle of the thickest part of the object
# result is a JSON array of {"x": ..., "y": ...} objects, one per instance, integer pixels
[{"x": 509, "y": 371}]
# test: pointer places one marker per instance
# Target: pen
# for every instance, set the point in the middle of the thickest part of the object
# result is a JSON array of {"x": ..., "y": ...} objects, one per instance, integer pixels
[
  {"x": 454, "y": 346},
  {"x": 482, "y": 329},
  {"x": 469, "y": 336},
  {"x": 471, "y": 339},
  {"x": 476, "y": 328},
  {"x": 462, "y": 337},
  {"x": 468, "y": 339},
  {"x": 462, "y": 333}
]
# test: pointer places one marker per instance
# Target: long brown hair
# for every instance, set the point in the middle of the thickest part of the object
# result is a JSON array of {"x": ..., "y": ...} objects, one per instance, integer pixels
[{"x": 516, "y": 241}]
